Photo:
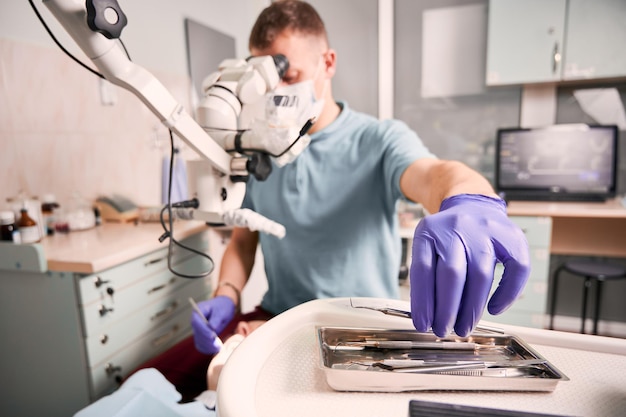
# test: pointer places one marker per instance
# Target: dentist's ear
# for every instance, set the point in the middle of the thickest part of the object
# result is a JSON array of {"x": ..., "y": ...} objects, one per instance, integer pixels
[{"x": 330, "y": 63}]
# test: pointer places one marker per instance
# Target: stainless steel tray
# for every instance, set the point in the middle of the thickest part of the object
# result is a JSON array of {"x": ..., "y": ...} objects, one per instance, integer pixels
[{"x": 386, "y": 360}]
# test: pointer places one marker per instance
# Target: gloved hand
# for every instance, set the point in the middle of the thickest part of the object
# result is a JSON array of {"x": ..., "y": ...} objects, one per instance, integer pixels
[
  {"x": 454, "y": 255},
  {"x": 219, "y": 311}
]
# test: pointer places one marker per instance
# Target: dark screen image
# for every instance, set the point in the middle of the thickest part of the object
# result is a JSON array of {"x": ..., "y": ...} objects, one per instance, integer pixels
[{"x": 560, "y": 161}]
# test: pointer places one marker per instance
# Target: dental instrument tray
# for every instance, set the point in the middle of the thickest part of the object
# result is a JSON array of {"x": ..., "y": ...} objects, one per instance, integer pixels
[{"x": 384, "y": 360}]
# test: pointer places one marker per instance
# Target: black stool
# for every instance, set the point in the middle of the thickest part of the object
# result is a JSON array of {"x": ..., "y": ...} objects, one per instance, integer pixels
[{"x": 591, "y": 271}]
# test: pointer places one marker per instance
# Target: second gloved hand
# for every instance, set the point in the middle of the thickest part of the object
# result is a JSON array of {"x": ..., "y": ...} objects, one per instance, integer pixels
[
  {"x": 219, "y": 311},
  {"x": 454, "y": 255}
]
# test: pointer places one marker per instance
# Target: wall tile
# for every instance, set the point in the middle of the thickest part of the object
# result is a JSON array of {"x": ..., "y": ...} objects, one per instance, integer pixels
[{"x": 56, "y": 135}]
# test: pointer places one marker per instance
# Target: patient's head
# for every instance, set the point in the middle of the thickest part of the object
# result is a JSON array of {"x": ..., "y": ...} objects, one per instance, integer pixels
[{"x": 244, "y": 328}]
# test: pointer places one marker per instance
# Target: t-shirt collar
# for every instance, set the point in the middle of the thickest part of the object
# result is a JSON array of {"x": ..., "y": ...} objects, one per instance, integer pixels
[{"x": 335, "y": 124}]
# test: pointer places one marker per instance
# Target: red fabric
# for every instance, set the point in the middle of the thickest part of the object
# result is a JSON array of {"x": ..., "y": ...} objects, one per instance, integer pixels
[{"x": 185, "y": 367}]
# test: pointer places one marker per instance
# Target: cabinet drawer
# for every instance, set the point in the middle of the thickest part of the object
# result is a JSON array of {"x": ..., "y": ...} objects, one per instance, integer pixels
[
  {"x": 540, "y": 264},
  {"x": 534, "y": 297},
  {"x": 113, "y": 308},
  {"x": 538, "y": 230},
  {"x": 113, "y": 338},
  {"x": 94, "y": 287},
  {"x": 106, "y": 376}
]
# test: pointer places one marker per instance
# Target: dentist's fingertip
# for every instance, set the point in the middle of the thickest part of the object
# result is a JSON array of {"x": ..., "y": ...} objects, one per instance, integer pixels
[
  {"x": 442, "y": 331},
  {"x": 421, "y": 326},
  {"x": 462, "y": 332}
]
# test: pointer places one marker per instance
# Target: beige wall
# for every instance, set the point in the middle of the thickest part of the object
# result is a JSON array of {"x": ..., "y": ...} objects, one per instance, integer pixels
[
  {"x": 57, "y": 137},
  {"x": 55, "y": 134}
]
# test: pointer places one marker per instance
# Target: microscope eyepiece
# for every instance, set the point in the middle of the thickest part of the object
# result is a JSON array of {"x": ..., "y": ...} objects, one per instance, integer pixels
[{"x": 282, "y": 64}]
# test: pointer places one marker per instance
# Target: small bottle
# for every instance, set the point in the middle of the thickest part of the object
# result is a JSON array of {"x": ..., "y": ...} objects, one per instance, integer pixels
[
  {"x": 48, "y": 206},
  {"x": 29, "y": 230},
  {"x": 8, "y": 229},
  {"x": 97, "y": 215},
  {"x": 61, "y": 225}
]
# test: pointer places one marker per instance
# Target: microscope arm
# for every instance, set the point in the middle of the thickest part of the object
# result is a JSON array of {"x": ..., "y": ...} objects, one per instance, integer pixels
[
  {"x": 220, "y": 197},
  {"x": 113, "y": 63}
]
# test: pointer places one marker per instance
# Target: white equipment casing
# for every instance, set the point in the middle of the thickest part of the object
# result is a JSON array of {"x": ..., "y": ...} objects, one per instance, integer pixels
[
  {"x": 238, "y": 82},
  {"x": 207, "y": 186}
]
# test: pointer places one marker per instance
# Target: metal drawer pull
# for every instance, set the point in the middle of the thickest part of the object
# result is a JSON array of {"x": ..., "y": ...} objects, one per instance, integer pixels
[
  {"x": 556, "y": 57},
  {"x": 110, "y": 369},
  {"x": 98, "y": 282},
  {"x": 166, "y": 337},
  {"x": 165, "y": 312},
  {"x": 155, "y": 289},
  {"x": 154, "y": 261},
  {"x": 103, "y": 310},
  {"x": 160, "y": 287},
  {"x": 104, "y": 338}
]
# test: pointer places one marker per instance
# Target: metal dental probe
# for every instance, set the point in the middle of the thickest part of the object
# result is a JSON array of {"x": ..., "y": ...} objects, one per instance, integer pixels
[{"x": 197, "y": 310}]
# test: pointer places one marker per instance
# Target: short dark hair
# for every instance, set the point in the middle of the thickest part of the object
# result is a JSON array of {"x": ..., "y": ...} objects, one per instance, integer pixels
[{"x": 281, "y": 15}]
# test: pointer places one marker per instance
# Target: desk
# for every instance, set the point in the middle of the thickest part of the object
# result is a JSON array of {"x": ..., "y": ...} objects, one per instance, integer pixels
[
  {"x": 580, "y": 228},
  {"x": 276, "y": 371}
]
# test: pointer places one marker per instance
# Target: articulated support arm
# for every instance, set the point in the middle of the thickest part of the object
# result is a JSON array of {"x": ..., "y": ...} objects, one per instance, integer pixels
[{"x": 95, "y": 24}]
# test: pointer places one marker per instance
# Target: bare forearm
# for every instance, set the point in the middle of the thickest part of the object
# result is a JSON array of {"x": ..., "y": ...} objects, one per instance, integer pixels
[
  {"x": 237, "y": 264},
  {"x": 429, "y": 182},
  {"x": 452, "y": 178}
]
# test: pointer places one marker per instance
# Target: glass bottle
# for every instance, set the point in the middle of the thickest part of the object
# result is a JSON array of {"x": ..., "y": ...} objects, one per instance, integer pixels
[
  {"x": 29, "y": 230},
  {"x": 8, "y": 229},
  {"x": 48, "y": 207}
]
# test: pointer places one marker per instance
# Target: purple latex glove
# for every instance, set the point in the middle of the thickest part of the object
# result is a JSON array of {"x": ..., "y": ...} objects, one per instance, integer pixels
[
  {"x": 219, "y": 311},
  {"x": 454, "y": 255}
]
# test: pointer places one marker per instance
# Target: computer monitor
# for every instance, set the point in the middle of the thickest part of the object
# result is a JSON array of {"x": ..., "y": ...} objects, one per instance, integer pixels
[{"x": 561, "y": 163}]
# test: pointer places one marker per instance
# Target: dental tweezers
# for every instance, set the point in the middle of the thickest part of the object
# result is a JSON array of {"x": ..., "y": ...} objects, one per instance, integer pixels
[
  {"x": 396, "y": 312},
  {"x": 409, "y": 344},
  {"x": 456, "y": 368}
]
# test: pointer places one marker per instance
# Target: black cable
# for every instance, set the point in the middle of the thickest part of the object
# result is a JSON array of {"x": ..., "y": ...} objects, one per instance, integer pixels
[
  {"x": 301, "y": 134},
  {"x": 124, "y": 48},
  {"x": 43, "y": 22},
  {"x": 169, "y": 233},
  {"x": 45, "y": 25}
]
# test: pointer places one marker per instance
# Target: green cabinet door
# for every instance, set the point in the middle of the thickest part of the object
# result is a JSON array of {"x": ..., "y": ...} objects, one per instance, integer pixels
[{"x": 525, "y": 41}]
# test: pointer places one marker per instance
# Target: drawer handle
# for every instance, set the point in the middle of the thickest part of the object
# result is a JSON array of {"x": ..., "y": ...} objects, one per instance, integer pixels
[
  {"x": 104, "y": 310},
  {"x": 110, "y": 369},
  {"x": 165, "y": 312},
  {"x": 155, "y": 289},
  {"x": 98, "y": 282},
  {"x": 154, "y": 261},
  {"x": 556, "y": 58},
  {"x": 160, "y": 287},
  {"x": 166, "y": 337}
]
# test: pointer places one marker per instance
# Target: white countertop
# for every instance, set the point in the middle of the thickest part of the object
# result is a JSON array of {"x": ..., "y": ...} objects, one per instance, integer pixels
[
  {"x": 109, "y": 244},
  {"x": 608, "y": 209}
]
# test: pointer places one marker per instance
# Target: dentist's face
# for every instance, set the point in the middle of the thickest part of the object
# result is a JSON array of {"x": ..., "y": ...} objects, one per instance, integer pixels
[{"x": 307, "y": 58}]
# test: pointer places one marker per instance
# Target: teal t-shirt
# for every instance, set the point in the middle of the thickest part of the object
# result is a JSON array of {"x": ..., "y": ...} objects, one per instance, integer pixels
[{"x": 337, "y": 201}]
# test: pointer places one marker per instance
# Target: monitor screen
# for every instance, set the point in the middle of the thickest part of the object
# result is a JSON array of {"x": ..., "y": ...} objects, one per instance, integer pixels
[{"x": 562, "y": 162}]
